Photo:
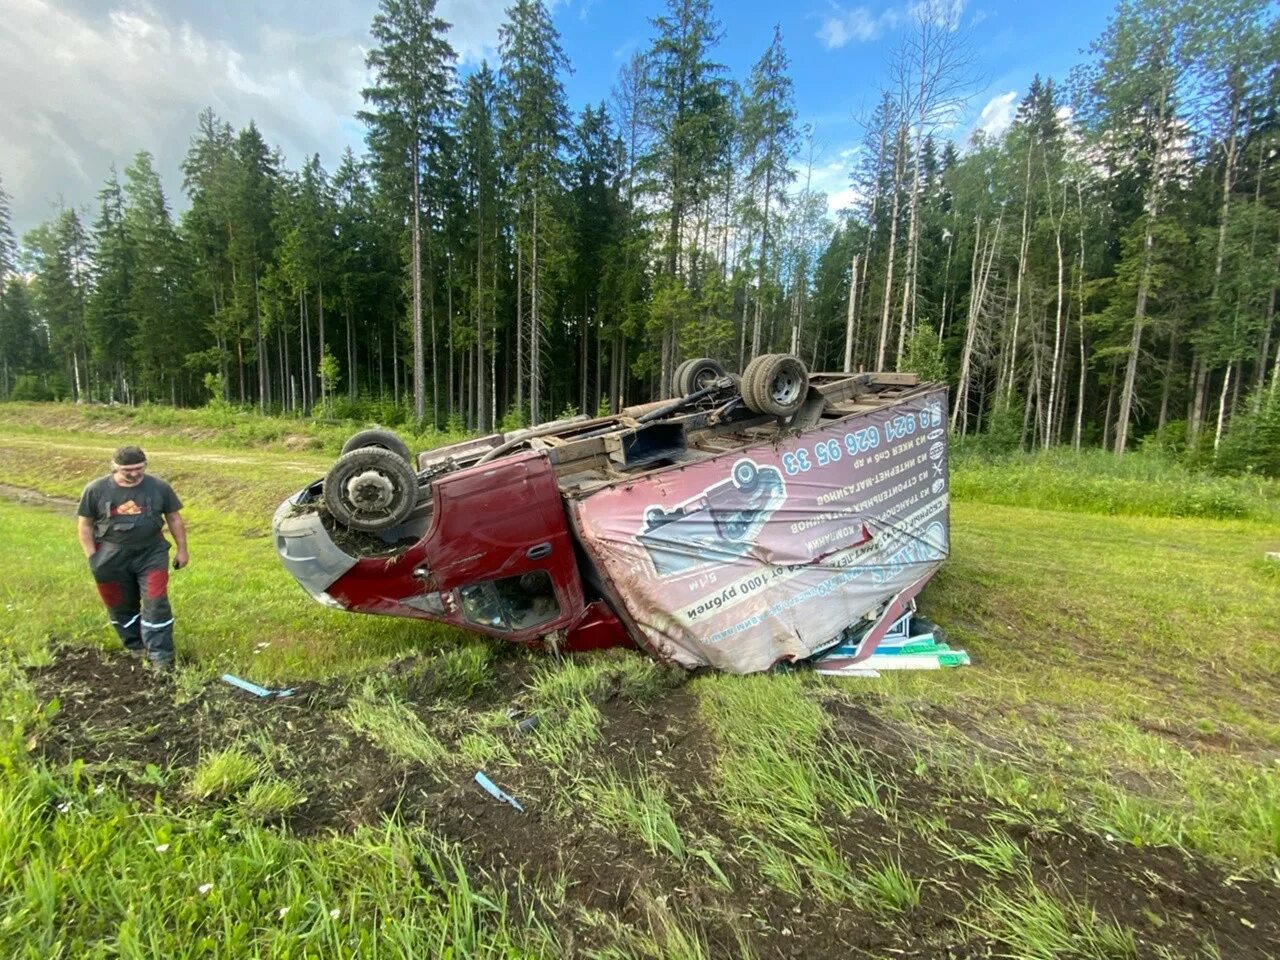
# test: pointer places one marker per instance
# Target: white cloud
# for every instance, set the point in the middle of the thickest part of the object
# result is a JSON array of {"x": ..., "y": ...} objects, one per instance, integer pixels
[
  {"x": 943, "y": 13},
  {"x": 88, "y": 90},
  {"x": 474, "y": 34},
  {"x": 89, "y": 83},
  {"x": 998, "y": 114},
  {"x": 858, "y": 24},
  {"x": 844, "y": 199}
]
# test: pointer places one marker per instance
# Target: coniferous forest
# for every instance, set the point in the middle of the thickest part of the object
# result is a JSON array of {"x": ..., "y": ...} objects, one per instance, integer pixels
[{"x": 1103, "y": 273}]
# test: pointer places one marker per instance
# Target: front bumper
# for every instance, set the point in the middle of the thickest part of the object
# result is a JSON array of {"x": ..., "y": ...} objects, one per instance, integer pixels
[{"x": 307, "y": 550}]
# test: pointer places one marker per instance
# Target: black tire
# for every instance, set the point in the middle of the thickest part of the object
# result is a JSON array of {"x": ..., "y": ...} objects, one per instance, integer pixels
[
  {"x": 379, "y": 438},
  {"x": 370, "y": 489},
  {"x": 778, "y": 384},
  {"x": 745, "y": 475},
  {"x": 677, "y": 378},
  {"x": 750, "y": 376},
  {"x": 698, "y": 375}
]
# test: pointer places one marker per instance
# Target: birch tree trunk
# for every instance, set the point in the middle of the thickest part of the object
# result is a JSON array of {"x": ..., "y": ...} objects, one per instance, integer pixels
[
  {"x": 1222, "y": 406},
  {"x": 1144, "y": 282},
  {"x": 1224, "y": 209},
  {"x": 1059, "y": 336},
  {"x": 979, "y": 273},
  {"x": 849, "y": 316},
  {"x": 892, "y": 254},
  {"x": 1022, "y": 261}
]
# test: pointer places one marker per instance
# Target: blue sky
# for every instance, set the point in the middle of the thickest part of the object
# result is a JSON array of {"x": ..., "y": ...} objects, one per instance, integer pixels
[{"x": 90, "y": 82}]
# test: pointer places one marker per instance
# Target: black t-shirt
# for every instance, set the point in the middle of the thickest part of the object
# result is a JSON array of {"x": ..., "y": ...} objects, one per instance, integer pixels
[{"x": 127, "y": 515}]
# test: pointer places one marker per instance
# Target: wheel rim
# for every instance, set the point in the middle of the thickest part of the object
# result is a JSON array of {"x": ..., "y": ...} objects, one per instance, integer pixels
[
  {"x": 371, "y": 492},
  {"x": 785, "y": 387}
]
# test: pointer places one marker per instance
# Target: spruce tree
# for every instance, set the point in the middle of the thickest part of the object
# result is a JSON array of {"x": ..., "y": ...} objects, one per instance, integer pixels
[
  {"x": 409, "y": 106},
  {"x": 535, "y": 122},
  {"x": 769, "y": 146},
  {"x": 107, "y": 314},
  {"x": 689, "y": 116}
]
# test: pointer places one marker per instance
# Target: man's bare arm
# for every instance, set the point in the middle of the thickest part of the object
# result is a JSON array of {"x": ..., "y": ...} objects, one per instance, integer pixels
[
  {"x": 179, "y": 531},
  {"x": 84, "y": 530}
]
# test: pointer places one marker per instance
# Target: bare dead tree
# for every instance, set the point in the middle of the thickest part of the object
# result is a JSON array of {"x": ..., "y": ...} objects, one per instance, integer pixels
[{"x": 933, "y": 71}]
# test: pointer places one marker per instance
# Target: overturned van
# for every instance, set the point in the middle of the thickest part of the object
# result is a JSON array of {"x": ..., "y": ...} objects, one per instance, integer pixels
[{"x": 750, "y": 520}]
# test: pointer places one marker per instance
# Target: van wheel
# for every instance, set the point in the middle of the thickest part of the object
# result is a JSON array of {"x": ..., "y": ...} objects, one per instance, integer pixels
[
  {"x": 698, "y": 375},
  {"x": 775, "y": 384},
  {"x": 370, "y": 489},
  {"x": 379, "y": 438}
]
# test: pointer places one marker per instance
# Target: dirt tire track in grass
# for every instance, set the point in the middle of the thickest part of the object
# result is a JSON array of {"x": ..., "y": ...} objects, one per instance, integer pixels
[
  {"x": 1195, "y": 900},
  {"x": 119, "y": 715}
]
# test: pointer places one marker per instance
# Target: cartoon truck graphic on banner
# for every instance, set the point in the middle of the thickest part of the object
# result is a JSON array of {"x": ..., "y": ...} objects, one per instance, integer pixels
[
  {"x": 748, "y": 521},
  {"x": 716, "y": 524}
]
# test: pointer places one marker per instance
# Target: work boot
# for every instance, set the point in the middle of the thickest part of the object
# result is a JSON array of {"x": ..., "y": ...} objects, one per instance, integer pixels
[{"x": 162, "y": 665}]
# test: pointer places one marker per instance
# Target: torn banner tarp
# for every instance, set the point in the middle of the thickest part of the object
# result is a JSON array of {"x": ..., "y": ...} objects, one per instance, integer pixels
[{"x": 770, "y": 552}]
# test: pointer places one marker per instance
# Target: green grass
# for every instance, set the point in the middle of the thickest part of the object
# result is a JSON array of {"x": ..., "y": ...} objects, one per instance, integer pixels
[
  {"x": 213, "y": 426},
  {"x": 1035, "y": 925},
  {"x": 269, "y": 799},
  {"x": 777, "y": 782},
  {"x": 641, "y": 807},
  {"x": 1124, "y": 674},
  {"x": 890, "y": 889},
  {"x": 995, "y": 854},
  {"x": 393, "y": 726},
  {"x": 1094, "y": 481},
  {"x": 85, "y": 873},
  {"x": 220, "y": 775}
]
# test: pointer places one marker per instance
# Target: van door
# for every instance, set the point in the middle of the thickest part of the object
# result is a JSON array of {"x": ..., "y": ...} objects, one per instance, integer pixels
[{"x": 500, "y": 549}]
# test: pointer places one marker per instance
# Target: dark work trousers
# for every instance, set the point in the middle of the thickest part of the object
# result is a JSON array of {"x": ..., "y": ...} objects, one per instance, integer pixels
[{"x": 133, "y": 582}]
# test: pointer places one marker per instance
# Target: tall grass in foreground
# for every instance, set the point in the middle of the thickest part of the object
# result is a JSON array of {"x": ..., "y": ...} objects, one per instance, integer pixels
[
  {"x": 888, "y": 888},
  {"x": 84, "y": 873},
  {"x": 222, "y": 774},
  {"x": 392, "y": 726},
  {"x": 640, "y": 807},
  {"x": 562, "y": 695}
]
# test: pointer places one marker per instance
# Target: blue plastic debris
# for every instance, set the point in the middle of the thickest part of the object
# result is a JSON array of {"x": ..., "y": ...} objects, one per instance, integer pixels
[
  {"x": 253, "y": 688},
  {"x": 496, "y": 792}
]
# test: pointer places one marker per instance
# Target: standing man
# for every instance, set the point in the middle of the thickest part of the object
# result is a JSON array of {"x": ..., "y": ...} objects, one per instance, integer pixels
[{"x": 121, "y": 517}]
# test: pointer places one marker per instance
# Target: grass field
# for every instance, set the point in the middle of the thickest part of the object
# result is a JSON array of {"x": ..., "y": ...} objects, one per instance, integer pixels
[{"x": 1104, "y": 782}]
